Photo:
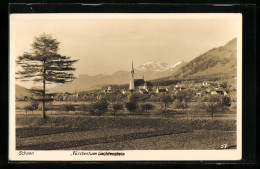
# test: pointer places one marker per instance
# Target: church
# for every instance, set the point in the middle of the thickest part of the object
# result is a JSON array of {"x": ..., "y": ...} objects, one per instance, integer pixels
[{"x": 138, "y": 84}]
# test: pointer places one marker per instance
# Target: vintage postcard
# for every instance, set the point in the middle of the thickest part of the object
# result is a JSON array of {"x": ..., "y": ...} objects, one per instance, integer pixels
[{"x": 125, "y": 87}]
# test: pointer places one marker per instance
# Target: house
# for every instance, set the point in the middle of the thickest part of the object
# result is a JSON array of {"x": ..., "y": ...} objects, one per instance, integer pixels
[
  {"x": 196, "y": 85},
  {"x": 205, "y": 84},
  {"x": 220, "y": 92},
  {"x": 144, "y": 91},
  {"x": 214, "y": 92},
  {"x": 178, "y": 86},
  {"x": 52, "y": 95},
  {"x": 207, "y": 91},
  {"x": 107, "y": 90},
  {"x": 124, "y": 91},
  {"x": 161, "y": 90},
  {"x": 145, "y": 86}
]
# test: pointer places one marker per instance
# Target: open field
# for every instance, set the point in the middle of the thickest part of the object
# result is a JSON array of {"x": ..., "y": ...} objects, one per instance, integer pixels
[{"x": 69, "y": 132}]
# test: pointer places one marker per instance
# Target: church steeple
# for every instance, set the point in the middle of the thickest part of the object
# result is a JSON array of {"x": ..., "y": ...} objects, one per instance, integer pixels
[
  {"x": 132, "y": 71},
  {"x": 132, "y": 79}
]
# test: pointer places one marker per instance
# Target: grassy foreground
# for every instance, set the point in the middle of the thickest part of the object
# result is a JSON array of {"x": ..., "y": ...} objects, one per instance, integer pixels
[{"x": 122, "y": 133}]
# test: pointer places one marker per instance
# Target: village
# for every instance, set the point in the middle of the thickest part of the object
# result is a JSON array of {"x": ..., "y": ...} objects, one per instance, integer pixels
[{"x": 148, "y": 89}]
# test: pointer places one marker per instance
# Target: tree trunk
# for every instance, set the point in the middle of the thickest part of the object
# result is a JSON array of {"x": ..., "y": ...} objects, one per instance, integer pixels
[
  {"x": 43, "y": 110},
  {"x": 43, "y": 94}
]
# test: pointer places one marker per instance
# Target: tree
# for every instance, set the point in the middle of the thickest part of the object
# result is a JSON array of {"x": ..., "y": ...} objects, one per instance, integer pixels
[
  {"x": 224, "y": 85},
  {"x": 99, "y": 108},
  {"x": 131, "y": 106},
  {"x": 224, "y": 102},
  {"x": 135, "y": 97},
  {"x": 199, "y": 106},
  {"x": 212, "y": 105},
  {"x": 180, "y": 96},
  {"x": 28, "y": 107},
  {"x": 180, "y": 105},
  {"x": 44, "y": 64},
  {"x": 33, "y": 106},
  {"x": 147, "y": 107},
  {"x": 166, "y": 99},
  {"x": 117, "y": 107}
]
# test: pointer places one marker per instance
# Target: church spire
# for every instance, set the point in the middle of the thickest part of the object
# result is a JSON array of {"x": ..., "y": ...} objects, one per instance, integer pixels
[
  {"x": 132, "y": 71},
  {"x": 132, "y": 78}
]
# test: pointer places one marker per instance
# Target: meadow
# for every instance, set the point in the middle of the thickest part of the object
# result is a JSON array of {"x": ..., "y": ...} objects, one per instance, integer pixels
[
  {"x": 131, "y": 132},
  {"x": 106, "y": 133},
  {"x": 176, "y": 129}
]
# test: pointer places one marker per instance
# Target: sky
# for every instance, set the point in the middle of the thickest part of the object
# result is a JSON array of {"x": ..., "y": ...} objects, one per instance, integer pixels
[{"x": 106, "y": 43}]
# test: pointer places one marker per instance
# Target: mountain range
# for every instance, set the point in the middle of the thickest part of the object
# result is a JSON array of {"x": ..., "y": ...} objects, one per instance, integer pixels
[
  {"x": 155, "y": 70},
  {"x": 148, "y": 71},
  {"x": 217, "y": 62}
]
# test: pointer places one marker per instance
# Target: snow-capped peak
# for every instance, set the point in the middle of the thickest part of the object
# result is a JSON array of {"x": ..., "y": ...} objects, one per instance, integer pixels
[
  {"x": 156, "y": 66},
  {"x": 176, "y": 64}
]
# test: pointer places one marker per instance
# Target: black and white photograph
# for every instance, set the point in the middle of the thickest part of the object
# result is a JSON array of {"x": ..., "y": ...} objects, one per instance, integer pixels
[{"x": 113, "y": 86}]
